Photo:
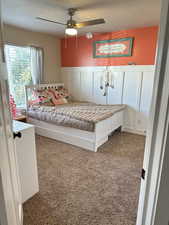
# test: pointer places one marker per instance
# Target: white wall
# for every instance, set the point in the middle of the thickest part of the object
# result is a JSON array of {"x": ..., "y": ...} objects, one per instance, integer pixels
[
  {"x": 50, "y": 44},
  {"x": 133, "y": 86}
]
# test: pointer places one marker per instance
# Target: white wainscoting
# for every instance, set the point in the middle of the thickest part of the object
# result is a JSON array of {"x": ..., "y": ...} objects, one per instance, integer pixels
[{"x": 133, "y": 86}]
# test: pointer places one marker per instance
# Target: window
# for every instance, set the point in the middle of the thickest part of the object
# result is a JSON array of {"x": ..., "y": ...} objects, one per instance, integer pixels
[{"x": 19, "y": 71}]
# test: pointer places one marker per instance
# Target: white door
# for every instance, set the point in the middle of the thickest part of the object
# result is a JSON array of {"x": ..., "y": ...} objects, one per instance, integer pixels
[
  {"x": 115, "y": 89},
  {"x": 154, "y": 198},
  {"x": 10, "y": 206}
]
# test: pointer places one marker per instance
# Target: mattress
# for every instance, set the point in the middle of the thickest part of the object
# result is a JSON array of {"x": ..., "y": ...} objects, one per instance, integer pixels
[{"x": 83, "y": 116}]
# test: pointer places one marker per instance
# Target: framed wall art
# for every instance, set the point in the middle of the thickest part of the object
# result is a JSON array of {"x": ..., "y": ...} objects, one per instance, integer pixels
[{"x": 121, "y": 47}]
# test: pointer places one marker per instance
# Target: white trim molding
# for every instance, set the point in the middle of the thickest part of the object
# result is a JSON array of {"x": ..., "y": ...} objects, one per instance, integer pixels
[{"x": 119, "y": 68}]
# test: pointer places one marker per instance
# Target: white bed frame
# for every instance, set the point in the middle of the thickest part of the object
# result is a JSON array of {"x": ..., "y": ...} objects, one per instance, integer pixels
[{"x": 84, "y": 139}]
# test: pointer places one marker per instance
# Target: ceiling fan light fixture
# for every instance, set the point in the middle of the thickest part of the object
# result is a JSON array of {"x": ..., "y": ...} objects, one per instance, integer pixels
[
  {"x": 71, "y": 31},
  {"x": 71, "y": 25}
]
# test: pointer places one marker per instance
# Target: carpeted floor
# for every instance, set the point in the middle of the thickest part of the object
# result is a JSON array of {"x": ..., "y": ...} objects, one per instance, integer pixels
[{"x": 79, "y": 187}]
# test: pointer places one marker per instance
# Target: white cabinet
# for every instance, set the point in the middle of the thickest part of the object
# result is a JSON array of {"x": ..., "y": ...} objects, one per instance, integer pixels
[
  {"x": 26, "y": 158},
  {"x": 114, "y": 95}
]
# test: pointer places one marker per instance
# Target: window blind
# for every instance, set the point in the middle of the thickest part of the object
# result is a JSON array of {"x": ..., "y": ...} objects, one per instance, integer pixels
[{"x": 19, "y": 71}]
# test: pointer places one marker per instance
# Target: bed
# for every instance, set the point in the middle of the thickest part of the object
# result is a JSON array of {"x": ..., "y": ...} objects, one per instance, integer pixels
[{"x": 86, "y": 125}]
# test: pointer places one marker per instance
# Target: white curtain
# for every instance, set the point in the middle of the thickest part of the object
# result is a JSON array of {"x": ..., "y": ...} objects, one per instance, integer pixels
[{"x": 37, "y": 65}]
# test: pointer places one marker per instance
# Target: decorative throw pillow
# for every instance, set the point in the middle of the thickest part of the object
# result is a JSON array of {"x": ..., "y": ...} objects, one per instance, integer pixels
[
  {"x": 59, "y": 96},
  {"x": 63, "y": 92},
  {"x": 44, "y": 97},
  {"x": 50, "y": 97},
  {"x": 33, "y": 102},
  {"x": 61, "y": 101},
  {"x": 55, "y": 93}
]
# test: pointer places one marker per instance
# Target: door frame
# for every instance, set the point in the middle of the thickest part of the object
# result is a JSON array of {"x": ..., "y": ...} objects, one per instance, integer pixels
[
  {"x": 152, "y": 200},
  {"x": 156, "y": 141},
  {"x": 10, "y": 195},
  {"x": 10, "y": 207}
]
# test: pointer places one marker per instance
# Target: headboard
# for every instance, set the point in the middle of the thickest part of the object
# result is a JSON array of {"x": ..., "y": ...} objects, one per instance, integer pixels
[{"x": 39, "y": 87}]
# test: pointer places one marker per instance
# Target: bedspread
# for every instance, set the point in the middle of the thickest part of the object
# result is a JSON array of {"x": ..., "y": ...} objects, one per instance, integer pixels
[{"x": 82, "y": 116}]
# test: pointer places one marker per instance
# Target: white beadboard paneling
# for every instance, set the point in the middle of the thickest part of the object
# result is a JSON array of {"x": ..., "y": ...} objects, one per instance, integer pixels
[
  {"x": 86, "y": 85},
  {"x": 98, "y": 97},
  {"x": 132, "y": 68},
  {"x": 131, "y": 91},
  {"x": 141, "y": 122},
  {"x": 136, "y": 68},
  {"x": 74, "y": 85},
  {"x": 114, "y": 95},
  {"x": 65, "y": 78},
  {"x": 130, "y": 118},
  {"x": 146, "y": 93},
  {"x": 145, "y": 100},
  {"x": 133, "y": 87},
  {"x": 131, "y": 97}
]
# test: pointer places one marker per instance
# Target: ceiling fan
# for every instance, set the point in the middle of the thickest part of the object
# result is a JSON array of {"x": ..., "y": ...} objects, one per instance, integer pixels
[{"x": 71, "y": 25}]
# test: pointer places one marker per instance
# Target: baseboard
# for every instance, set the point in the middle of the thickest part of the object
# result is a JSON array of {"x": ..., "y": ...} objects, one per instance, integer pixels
[{"x": 133, "y": 131}]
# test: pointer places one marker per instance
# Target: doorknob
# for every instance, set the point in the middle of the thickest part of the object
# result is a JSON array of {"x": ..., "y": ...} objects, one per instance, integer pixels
[{"x": 17, "y": 134}]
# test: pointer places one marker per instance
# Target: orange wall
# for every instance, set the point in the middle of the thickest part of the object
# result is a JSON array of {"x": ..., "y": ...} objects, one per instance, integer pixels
[{"x": 81, "y": 54}]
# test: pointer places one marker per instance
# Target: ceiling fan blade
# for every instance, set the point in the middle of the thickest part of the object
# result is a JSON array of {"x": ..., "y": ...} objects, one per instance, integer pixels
[
  {"x": 90, "y": 23},
  {"x": 40, "y": 18}
]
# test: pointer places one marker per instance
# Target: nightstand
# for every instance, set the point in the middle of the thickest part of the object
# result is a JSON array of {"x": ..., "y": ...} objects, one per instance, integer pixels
[
  {"x": 26, "y": 159},
  {"x": 21, "y": 118}
]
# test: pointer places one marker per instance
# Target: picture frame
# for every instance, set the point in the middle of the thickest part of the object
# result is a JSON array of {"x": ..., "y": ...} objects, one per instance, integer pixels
[{"x": 121, "y": 47}]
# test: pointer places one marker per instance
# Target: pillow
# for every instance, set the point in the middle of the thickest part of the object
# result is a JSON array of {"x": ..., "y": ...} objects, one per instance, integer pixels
[
  {"x": 63, "y": 92},
  {"x": 33, "y": 102},
  {"x": 50, "y": 97},
  {"x": 60, "y": 97},
  {"x": 55, "y": 93},
  {"x": 61, "y": 101},
  {"x": 51, "y": 94},
  {"x": 44, "y": 97}
]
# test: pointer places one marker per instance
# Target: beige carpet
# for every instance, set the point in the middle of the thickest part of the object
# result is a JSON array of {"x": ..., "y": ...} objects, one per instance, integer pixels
[{"x": 79, "y": 187}]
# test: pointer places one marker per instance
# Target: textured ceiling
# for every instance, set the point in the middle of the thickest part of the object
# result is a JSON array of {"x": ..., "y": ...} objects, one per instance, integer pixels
[{"x": 118, "y": 14}]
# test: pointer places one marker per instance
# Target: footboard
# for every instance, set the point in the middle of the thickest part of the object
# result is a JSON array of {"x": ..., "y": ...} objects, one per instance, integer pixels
[{"x": 105, "y": 127}]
